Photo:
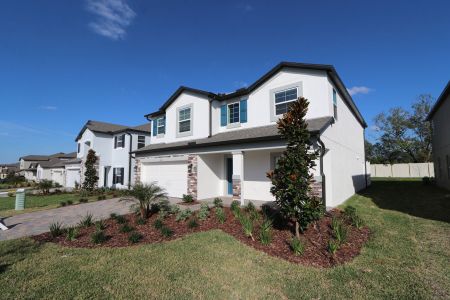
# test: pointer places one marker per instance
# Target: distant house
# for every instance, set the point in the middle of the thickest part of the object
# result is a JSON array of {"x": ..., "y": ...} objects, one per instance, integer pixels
[
  {"x": 113, "y": 145},
  {"x": 7, "y": 169},
  {"x": 440, "y": 123},
  {"x": 31, "y": 166}
]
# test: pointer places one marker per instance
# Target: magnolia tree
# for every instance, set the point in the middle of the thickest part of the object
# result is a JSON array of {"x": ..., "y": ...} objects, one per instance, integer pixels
[
  {"x": 291, "y": 179},
  {"x": 90, "y": 175}
]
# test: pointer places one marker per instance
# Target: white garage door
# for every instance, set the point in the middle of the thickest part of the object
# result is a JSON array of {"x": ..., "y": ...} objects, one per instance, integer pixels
[
  {"x": 172, "y": 176},
  {"x": 72, "y": 175},
  {"x": 57, "y": 176}
]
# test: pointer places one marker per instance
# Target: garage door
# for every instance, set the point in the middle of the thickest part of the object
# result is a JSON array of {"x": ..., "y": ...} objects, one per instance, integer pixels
[
  {"x": 172, "y": 176},
  {"x": 72, "y": 175},
  {"x": 57, "y": 176}
]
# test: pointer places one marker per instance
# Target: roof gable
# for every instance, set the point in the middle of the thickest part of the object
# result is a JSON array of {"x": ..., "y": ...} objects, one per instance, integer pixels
[
  {"x": 445, "y": 93},
  {"x": 109, "y": 128}
]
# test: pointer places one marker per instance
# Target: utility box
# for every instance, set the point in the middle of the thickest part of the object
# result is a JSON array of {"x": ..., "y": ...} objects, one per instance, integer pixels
[{"x": 20, "y": 199}]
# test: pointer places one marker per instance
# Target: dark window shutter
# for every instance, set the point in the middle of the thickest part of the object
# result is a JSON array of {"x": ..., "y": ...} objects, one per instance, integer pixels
[
  {"x": 114, "y": 176},
  {"x": 223, "y": 115},
  {"x": 243, "y": 111},
  {"x": 123, "y": 140},
  {"x": 115, "y": 142},
  {"x": 155, "y": 129},
  {"x": 122, "y": 172}
]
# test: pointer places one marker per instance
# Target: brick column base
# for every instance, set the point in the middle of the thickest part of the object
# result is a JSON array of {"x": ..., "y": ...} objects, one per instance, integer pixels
[
  {"x": 192, "y": 176},
  {"x": 137, "y": 171},
  {"x": 237, "y": 190}
]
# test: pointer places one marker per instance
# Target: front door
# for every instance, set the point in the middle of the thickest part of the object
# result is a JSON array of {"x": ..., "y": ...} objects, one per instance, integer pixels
[
  {"x": 230, "y": 176},
  {"x": 105, "y": 177}
]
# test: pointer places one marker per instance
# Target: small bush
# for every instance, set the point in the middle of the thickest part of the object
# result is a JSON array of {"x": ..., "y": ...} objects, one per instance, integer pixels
[
  {"x": 192, "y": 223},
  {"x": 220, "y": 214},
  {"x": 235, "y": 208},
  {"x": 101, "y": 197},
  {"x": 218, "y": 202},
  {"x": 71, "y": 233},
  {"x": 83, "y": 200},
  {"x": 158, "y": 224},
  {"x": 100, "y": 225},
  {"x": 358, "y": 222},
  {"x": 183, "y": 215},
  {"x": 135, "y": 237},
  {"x": 247, "y": 226},
  {"x": 352, "y": 216},
  {"x": 62, "y": 203},
  {"x": 166, "y": 231},
  {"x": 69, "y": 202},
  {"x": 174, "y": 209},
  {"x": 126, "y": 228},
  {"x": 203, "y": 213},
  {"x": 113, "y": 216},
  {"x": 10, "y": 194},
  {"x": 188, "y": 198},
  {"x": 121, "y": 219},
  {"x": 339, "y": 230},
  {"x": 98, "y": 237},
  {"x": 265, "y": 233},
  {"x": 297, "y": 246},
  {"x": 333, "y": 246},
  {"x": 87, "y": 220},
  {"x": 56, "y": 229},
  {"x": 140, "y": 221}
]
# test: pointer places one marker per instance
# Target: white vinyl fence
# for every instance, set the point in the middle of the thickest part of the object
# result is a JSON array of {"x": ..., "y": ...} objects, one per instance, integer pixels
[{"x": 412, "y": 170}]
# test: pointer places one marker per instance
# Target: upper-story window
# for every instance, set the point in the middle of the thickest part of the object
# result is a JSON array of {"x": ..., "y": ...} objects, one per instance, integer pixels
[
  {"x": 184, "y": 120},
  {"x": 160, "y": 126},
  {"x": 283, "y": 99},
  {"x": 335, "y": 104},
  {"x": 233, "y": 113},
  {"x": 119, "y": 141},
  {"x": 141, "y": 141},
  {"x": 78, "y": 148}
]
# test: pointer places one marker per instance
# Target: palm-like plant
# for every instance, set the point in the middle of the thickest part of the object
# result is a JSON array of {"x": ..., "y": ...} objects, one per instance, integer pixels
[{"x": 146, "y": 195}]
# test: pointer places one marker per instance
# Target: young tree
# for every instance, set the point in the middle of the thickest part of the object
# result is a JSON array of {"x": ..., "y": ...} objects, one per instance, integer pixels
[
  {"x": 90, "y": 175},
  {"x": 291, "y": 178},
  {"x": 146, "y": 195}
]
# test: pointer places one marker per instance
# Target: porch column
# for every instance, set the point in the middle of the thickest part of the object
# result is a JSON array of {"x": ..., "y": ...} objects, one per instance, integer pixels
[
  {"x": 238, "y": 176},
  {"x": 192, "y": 176}
]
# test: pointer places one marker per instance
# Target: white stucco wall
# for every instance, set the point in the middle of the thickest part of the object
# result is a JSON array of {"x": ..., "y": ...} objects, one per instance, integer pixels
[
  {"x": 210, "y": 176},
  {"x": 441, "y": 144}
]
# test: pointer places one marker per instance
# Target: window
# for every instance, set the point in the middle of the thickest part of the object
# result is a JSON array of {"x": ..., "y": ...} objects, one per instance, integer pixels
[
  {"x": 119, "y": 141},
  {"x": 233, "y": 113},
  {"x": 184, "y": 120},
  {"x": 160, "y": 126},
  {"x": 118, "y": 174},
  {"x": 274, "y": 158},
  {"x": 335, "y": 104},
  {"x": 78, "y": 148},
  {"x": 141, "y": 141},
  {"x": 282, "y": 100}
]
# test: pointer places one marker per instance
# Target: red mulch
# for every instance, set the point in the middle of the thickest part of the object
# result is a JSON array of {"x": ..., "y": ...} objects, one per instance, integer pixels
[
  {"x": 315, "y": 238},
  {"x": 189, "y": 203}
]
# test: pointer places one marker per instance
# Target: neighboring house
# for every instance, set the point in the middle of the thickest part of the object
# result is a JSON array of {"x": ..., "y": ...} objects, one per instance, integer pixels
[
  {"x": 7, "y": 169},
  {"x": 31, "y": 166},
  {"x": 112, "y": 144},
  {"x": 217, "y": 145},
  {"x": 440, "y": 124}
]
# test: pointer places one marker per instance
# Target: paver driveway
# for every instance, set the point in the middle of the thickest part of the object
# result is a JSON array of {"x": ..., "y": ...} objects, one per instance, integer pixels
[{"x": 38, "y": 222}]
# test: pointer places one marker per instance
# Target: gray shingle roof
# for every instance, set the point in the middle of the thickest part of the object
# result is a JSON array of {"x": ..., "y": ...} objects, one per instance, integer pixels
[
  {"x": 269, "y": 132},
  {"x": 109, "y": 128},
  {"x": 35, "y": 157}
]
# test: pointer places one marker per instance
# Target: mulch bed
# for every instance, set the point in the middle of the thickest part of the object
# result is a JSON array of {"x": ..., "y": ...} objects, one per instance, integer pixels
[
  {"x": 315, "y": 238},
  {"x": 189, "y": 203}
]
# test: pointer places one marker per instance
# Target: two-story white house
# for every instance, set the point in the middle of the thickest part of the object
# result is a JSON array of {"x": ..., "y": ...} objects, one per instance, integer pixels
[
  {"x": 113, "y": 145},
  {"x": 222, "y": 145}
]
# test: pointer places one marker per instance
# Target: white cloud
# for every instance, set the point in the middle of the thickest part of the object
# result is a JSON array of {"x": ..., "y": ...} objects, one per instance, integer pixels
[
  {"x": 359, "y": 90},
  {"x": 240, "y": 84},
  {"x": 113, "y": 17},
  {"x": 49, "y": 107}
]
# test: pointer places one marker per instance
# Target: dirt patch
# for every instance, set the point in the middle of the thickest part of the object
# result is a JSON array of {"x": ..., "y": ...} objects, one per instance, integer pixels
[{"x": 315, "y": 238}]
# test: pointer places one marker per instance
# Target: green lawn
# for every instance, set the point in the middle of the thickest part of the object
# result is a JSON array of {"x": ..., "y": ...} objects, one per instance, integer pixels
[
  {"x": 36, "y": 202},
  {"x": 407, "y": 257}
]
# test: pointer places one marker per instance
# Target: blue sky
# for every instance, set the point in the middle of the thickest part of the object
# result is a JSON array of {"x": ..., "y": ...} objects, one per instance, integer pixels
[{"x": 64, "y": 62}]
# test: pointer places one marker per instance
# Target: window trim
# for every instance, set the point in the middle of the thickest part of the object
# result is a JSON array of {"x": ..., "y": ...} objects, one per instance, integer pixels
[
  {"x": 334, "y": 99},
  {"x": 298, "y": 85},
  {"x": 116, "y": 141},
  {"x": 158, "y": 126},
  {"x": 233, "y": 124},
  {"x": 122, "y": 175},
  {"x": 191, "y": 120},
  {"x": 140, "y": 142}
]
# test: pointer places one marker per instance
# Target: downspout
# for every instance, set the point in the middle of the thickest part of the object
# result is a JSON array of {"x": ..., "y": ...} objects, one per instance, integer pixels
[
  {"x": 129, "y": 159},
  {"x": 210, "y": 118},
  {"x": 365, "y": 163},
  {"x": 322, "y": 174}
]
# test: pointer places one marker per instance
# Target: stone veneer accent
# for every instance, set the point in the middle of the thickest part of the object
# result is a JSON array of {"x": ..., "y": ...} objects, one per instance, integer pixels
[
  {"x": 192, "y": 176},
  {"x": 316, "y": 189},
  {"x": 137, "y": 171},
  {"x": 237, "y": 189}
]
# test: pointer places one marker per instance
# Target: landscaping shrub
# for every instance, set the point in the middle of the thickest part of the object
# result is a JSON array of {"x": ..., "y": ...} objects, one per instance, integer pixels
[
  {"x": 203, "y": 213},
  {"x": 174, "y": 209},
  {"x": 265, "y": 233},
  {"x": 218, "y": 202},
  {"x": 45, "y": 185},
  {"x": 188, "y": 198},
  {"x": 183, "y": 215},
  {"x": 166, "y": 231},
  {"x": 352, "y": 216},
  {"x": 71, "y": 233},
  {"x": 333, "y": 246},
  {"x": 220, "y": 214},
  {"x": 297, "y": 246},
  {"x": 158, "y": 224},
  {"x": 126, "y": 228},
  {"x": 252, "y": 211},
  {"x": 56, "y": 229},
  {"x": 339, "y": 230},
  {"x": 113, "y": 216},
  {"x": 10, "y": 194},
  {"x": 100, "y": 225},
  {"x": 146, "y": 195},
  {"x": 140, "y": 221},
  {"x": 98, "y": 237},
  {"x": 62, "y": 203},
  {"x": 83, "y": 200},
  {"x": 135, "y": 237},
  {"x": 235, "y": 208},
  {"x": 101, "y": 197},
  {"x": 121, "y": 219},
  {"x": 90, "y": 174},
  {"x": 192, "y": 223},
  {"x": 87, "y": 220},
  {"x": 247, "y": 226},
  {"x": 69, "y": 202}
]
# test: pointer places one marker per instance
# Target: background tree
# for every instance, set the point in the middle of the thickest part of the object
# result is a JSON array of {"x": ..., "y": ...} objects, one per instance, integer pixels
[
  {"x": 291, "y": 178},
  {"x": 90, "y": 175}
]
